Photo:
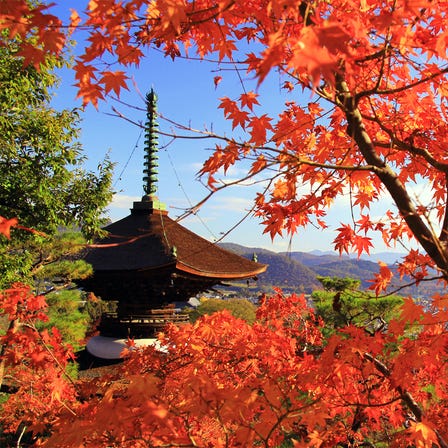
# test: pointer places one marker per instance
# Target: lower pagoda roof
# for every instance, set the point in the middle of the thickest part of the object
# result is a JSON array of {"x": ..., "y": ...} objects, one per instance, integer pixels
[{"x": 149, "y": 240}]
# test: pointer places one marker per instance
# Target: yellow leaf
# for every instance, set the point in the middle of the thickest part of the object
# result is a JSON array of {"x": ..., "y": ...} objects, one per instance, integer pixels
[{"x": 423, "y": 435}]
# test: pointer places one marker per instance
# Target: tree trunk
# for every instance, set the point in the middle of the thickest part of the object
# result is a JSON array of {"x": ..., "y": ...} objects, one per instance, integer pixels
[{"x": 433, "y": 246}]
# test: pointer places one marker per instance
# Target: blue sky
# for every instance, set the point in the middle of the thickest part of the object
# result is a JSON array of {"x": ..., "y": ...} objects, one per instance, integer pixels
[{"x": 187, "y": 95}]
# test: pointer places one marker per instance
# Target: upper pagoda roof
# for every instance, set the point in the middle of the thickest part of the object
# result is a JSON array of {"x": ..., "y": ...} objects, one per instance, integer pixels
[{"x": 148, "y": 239}]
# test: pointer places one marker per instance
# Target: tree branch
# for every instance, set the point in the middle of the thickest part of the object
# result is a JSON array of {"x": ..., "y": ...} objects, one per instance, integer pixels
[
  {"x": 410, "y": 147},
  {"x": 390, "y": 180},
  {"x": 444, "y": 230},
  {"x": 410, "y": 86},
  {"x": 404, "y": 394},
  {"x": 13, "y": 327}
]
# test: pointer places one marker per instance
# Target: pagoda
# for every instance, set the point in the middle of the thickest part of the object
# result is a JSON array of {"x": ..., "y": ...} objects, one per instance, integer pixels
[{"x": 148, "y": 261}]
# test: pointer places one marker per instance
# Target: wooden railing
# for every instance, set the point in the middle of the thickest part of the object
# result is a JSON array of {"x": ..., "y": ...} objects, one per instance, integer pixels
[{"x": 142, "y": 324}]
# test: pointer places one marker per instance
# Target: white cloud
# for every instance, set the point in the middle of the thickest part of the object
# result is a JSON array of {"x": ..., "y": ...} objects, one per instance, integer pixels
[
  {"x": 120, "y": 206},
  {"x": 231, "y": 203},
  {"x": 122, "y": 201},
  {"x": 194, "y": 167},
  {"x": 222, "y": 212}
]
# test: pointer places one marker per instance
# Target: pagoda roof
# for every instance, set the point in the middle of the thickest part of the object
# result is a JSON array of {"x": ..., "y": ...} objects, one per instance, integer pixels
[{"x": 148, "y": 239}]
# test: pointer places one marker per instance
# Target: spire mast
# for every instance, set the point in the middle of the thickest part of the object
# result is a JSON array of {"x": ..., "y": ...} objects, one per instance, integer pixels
[
  {"x": 150, "y": 170},
  {"x": 150, "y": 201}
]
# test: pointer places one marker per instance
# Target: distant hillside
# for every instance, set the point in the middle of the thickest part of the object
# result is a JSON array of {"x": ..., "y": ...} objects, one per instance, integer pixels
[
  {"x": 284, "y": 272},
  {"x": 386, "y": 257},
  {"x": 244, "y": 251},
  {"x": 319, "y": 257},
  {"x": 297, "y": 271},
  {"x": 359, "y": 269},
  {"x": 314, "y": 258}
]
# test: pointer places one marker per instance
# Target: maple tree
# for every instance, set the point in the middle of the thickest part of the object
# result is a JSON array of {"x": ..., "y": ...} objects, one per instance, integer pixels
[
  {"x": 33, "y": 363},
  {"x": 376, "y": 71},
  {"x": 219, "y": 383},
  {"x": 224, "y": 382},
  {"x": 375, "y": 125}
]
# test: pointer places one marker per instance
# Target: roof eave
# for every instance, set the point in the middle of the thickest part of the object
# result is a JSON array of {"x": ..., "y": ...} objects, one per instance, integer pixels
[{"x": 220, "y": 275}]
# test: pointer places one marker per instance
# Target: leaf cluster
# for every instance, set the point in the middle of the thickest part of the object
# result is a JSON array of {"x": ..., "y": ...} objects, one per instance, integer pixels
[
  {"x": 376, "y": 125},
  {"x": 223, "y": 382},
  {"x": 33, "y": 363}
]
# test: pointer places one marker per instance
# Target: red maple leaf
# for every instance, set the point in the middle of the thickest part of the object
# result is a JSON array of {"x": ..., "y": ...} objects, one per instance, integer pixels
[
  {"x": 362, "y": 244},
  {"x": 345, "y": 238},
  {"x": 233, "y": 112},
  {"x": 6, "y": 224},
  {"x": 260, "y": 126},
  {"x": 364, "y": 223},
  {"x": 382, "y": 279},
  {"x": 114, "y": 81},
  {"x": 249, "y": 99}
]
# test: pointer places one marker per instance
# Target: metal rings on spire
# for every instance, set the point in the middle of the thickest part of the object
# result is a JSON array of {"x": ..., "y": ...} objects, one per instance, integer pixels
[{"x": 150, "y": 171}]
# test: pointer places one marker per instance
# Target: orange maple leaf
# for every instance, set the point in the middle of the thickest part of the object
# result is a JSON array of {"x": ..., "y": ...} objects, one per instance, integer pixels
[
  {"x": 422, "y": 435},
  {"x": 416, "y": 6},
  {"x": 114, "y": 81},
  {"x": 281, "y": 189},
  {"x": 344, "y": 239},
  {"x": 258, "y": 165},
  {"x": 362, "y": 244},
  {"x": 318, "y": 50},
  {"x": 365, "y": 224},
  {"x": 31, "y": 55},
  {"x": 249, "y": 99},
  {"x": 13, "y": 17},
  {"x": 75, "y": 19},
  {"x": 172, "y": 15},
  {"x": 6, "y": 224},
  {"x": 410, "y": 311},
  {"x": 260, "y": 126},
  {"x": 382, "y": 279},
  {"x": 314, "y": 109},
  {"x": 232, "y": 111}
]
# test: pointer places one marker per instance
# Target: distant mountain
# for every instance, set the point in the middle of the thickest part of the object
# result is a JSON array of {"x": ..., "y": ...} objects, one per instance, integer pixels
[
  {"x": 386, "y": 257},
  {"x": 319, "y": 257},
  {"x": 243, "y": 250},
  {"x": 329, "y": 264},
  {"x": 297, "y": 271},
  {"x": 283, "y": 272},
  {"x": 314, "y": 258},
  {"x": 320, "y": 252},
  {"x": 286, "y": 273},
  {"x": 360, "y": 269}
]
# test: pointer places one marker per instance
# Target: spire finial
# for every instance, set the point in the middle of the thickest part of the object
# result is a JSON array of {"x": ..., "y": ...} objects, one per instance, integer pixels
[{"x": 150, "y": 171}]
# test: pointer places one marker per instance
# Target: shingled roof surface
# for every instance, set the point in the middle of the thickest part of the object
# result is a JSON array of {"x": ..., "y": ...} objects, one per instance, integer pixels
[{"x": 152, "y": 240}]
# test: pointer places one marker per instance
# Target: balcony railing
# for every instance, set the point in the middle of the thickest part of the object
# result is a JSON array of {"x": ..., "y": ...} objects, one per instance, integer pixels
[{"x": 140, "y": 325}]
